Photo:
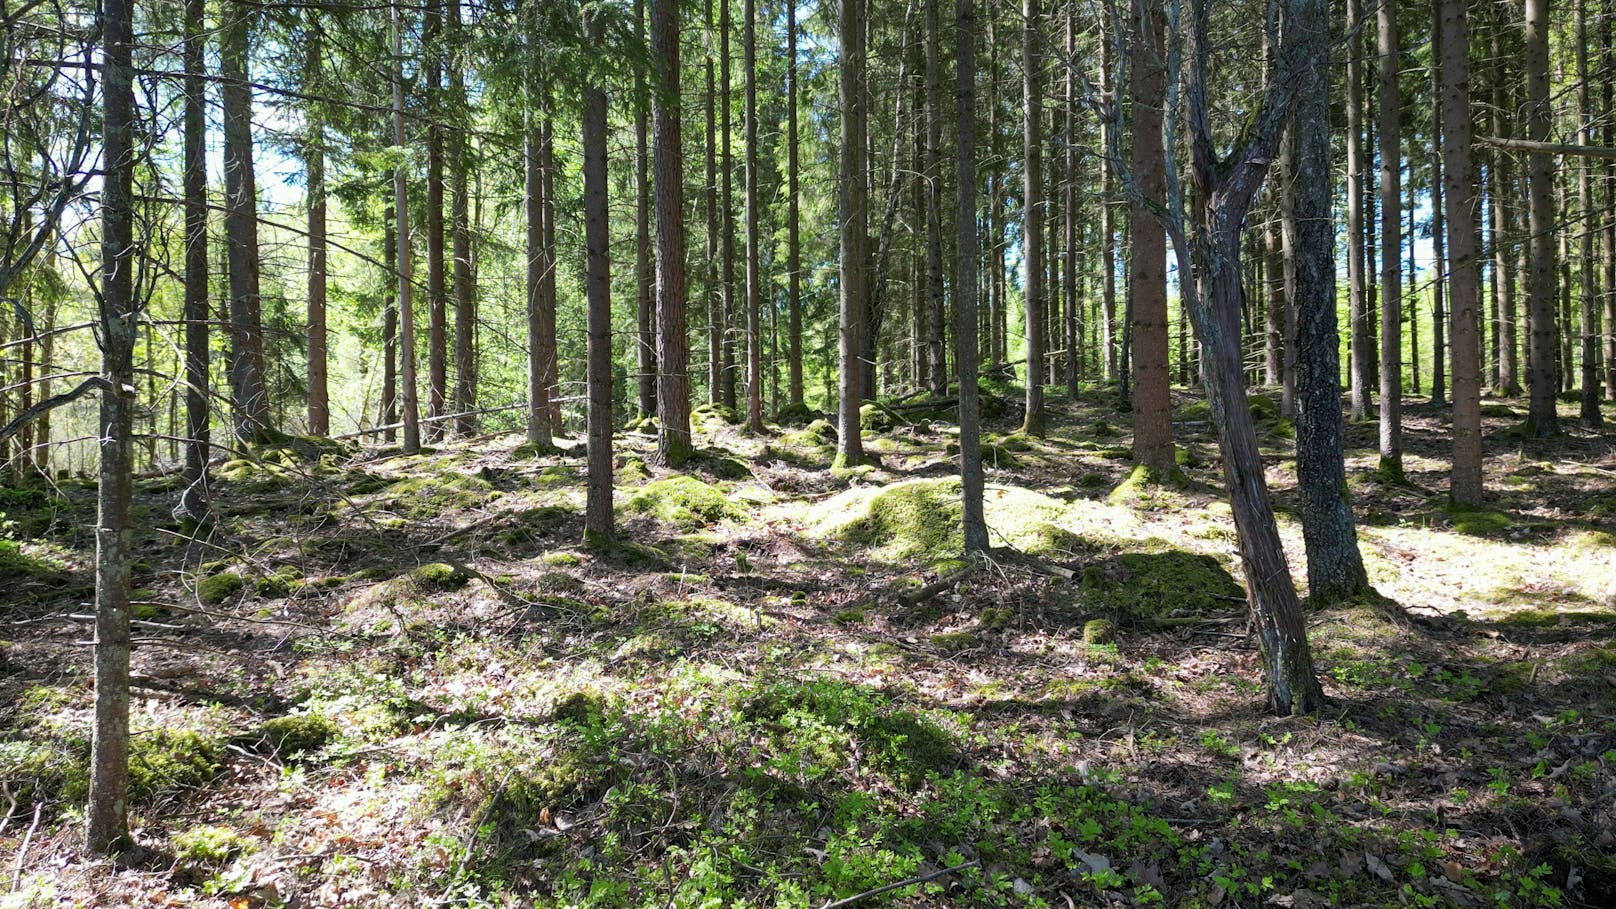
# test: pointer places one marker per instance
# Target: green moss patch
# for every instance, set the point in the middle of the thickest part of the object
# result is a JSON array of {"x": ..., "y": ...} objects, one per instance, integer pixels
[
  {"x": 31, "y": 510},
  {"x": 216, "y": 589},
  {"x": 1160, "y": 581},
  {"x": 684, "y": 502},
  {"x": 208, "y": 844},
  {"x": 300, "y": 733},
  {"x": 1144, "y": 478},
  {"x": 422, "y": 498},
  {"x": 1478, "y": 521},
  {"x": 436, "y": 576}
]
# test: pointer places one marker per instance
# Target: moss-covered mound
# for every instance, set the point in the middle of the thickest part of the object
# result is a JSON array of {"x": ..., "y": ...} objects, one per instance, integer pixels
[
  {"x": 1142, "y": 479},
  {"x": 877, "y": 417},
  {"x": 920, "y": 520},
  {"x": 32, "y": 509},
  {"x": 683, "y": 501},
  {"x": 796, "y": 415},
  {"x": 421, "y": 498},
  {"x": 1159, "y": 580}
]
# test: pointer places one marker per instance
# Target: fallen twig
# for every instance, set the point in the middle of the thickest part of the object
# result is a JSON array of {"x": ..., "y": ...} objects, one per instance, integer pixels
[
  {"x": 22, "y": 853},
  {"x": 848, "y": 901}
]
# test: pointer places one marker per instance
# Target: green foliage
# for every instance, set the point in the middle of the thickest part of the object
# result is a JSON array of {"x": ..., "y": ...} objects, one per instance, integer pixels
[
  {"x": 298, "y": 733},
  {"x": 30, "y": 511},
  {"x": 1099, "y": 631},
  {"x": 1159, "y": 581},
  {"x": 215, "y": 589},
  {"x": 438, "y": 576},
  {"x": 208, "y": 844},
  {"x": 427, "y": 497},
  {"x": 684, "y": 502},
  {"x": 1477, "y": 520}
]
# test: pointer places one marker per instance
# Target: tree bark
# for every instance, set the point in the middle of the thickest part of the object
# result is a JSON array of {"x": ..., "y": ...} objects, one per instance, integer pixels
[
  {"x": 937, "y": 314},
  {"x": 1361, "y": 346},
  {"x": 465, "y": 330},
  {"x": 1459, "y": 192},
  {"x": 437, "y": 294},
  {"x": 853, "y": 194},
  {"x": 540, "y": 433},
  {"x": 1335, "y": 569},
  {"x": 388, "y": 409},
  {"x": 1588, "y": 409},
  {"x": 194, "y": 500},
  {"x": 673, "y": 352},
  {"x": 726, "y": 213},
  {"x": 1439, "y": 251},
  {"x": 1032, "y": 216},
  {"x": 1391, "y": 246},
  {"x": 793, "y": 217},
  {"x": 107, "y": 816},
  {"x": 598, "y": 288},
  {"x": 715, "y": 295},
  {"x": 249, "y": 395},
  {"x": 644, "y": 275},
  {"x": 754, "y": 277},
  {"x": 1147, "y": 257},
  {"x": 966, "y": 289},
  {"x": 314, "y": 160},
  {"x": 401, "y": 205},
  {"x": 1542, "y": 420}
]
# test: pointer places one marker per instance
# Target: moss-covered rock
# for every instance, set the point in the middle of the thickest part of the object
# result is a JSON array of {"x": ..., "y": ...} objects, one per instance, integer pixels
[
  {"x": 708, "y": 413},
  {"x": 437, "y": 576},
  {"x": 1099, "y": 631},
  {"x": 433, "y": 496},
  {"x": 631, "y": 470},
  {"x": 299, "y": 733},
  {"x": 796, "y": 415},
  {"x": 684, "y": 502},
  {"x": 527, "y": 451},
  {"x": 877, "y": 417},
  {"x": 1159, "y": 580},
  {"x": 215, "y": 589},
  {"x": 720, "y": 465}
]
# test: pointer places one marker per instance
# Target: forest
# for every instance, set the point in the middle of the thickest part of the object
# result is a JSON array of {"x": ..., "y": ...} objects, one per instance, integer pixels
[{"x": 776, "y": 453}]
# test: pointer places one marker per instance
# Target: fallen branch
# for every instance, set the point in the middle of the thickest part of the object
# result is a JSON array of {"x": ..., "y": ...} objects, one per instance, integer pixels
[
  {"x": 51, "y": 403},
  {"x": 22, "y": 853},
  {"x": 927, "y": 591},
  {"x": 901, "y": 884}
]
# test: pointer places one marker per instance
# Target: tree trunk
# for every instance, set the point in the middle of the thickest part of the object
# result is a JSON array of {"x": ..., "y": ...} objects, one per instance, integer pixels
[
  {"x": 437, "y": 295},
  {"x": 1588, "y": 410},
  {"x": 1541, "y": 421},
  {"x": 388, "y": 409},
  {"x": 1391, "y": 247},
  {"x": 754, "y": 279},
  {"x": 644, "y": 277},
  {"x": 194, "y": 500},
  {"x": 540, "y": 433},
  {"x": 1147, "y": 257},
  {"x": 966, "y": 289},
  {"x": 715, "y": 296},
  {"x": 1439, "y": 253},
  {"x": 1069, "y": 205},
  {"x": 249, "y": 396},
  {"x": 1609, "y": 109},
  {"x": 673, "y": 352},
  {"x": 1335, "y": 569},
  {"x": 1032, "y": 217},
  {"x": 107, "y": 816},
  {"x": 401, "y": 205},
  {"x": 1459, "y": 191},
  {"x": 853, "y": 194},
  {"x": 1504, "y": 342},
  {"x": 314, "y": 160},
  {"x": 793, "y": 217},
  {"x": 598, "y": 288},
  {"x": 1361, "y": 346},
  {"x": 549, "y": 356},
  {"x": 1108, "y": 233},
  {"x": 937, "y": 314},
  {"x": 465, "y": 332},
  {"x": 726, "y": 213}
]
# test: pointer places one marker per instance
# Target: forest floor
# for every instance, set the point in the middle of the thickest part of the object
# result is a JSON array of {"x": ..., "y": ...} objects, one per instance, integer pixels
[{"x": 380, "y": 680}]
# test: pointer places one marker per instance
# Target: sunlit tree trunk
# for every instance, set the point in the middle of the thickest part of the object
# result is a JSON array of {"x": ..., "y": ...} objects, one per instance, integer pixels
[
  {"x": 314, "y": 161},
  {"x": 966, "y": 288},
  {"x": 1362, "y": 348},
  {"x": 401, "y": 206},
  {"x": 853, "y": 194},
  {"x": 644, "y": 275},
  {"x": 1542, "y": 420},
  {"x": 194, "y": 500},
  {"x": 793, "y": 217},
  {"x": 1391, "y": 246},
  {"x": 598, "y": 290},
  {"x": 437, "y": 293},
  {"x": 249, "y": 395},
  {"x": 673, "y": 352},
  {"x": 1459, "y": 198},
  {"x": 1032, "y": 217},
  {"x": 754, "y": 277},
  {"x": 465, "y": 330},
  {"x": 1147, "y": 257},
  {"x": 1588, "y": 409}
]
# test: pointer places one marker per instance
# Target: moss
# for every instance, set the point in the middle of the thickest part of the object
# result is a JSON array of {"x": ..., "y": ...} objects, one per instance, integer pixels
[
  {"x": 1160, "y": 581},
  {"x": 363, "y": 483},
  {"x": 877, "y": 417},
  {"x": 580, "y": 707},
  {"x": 955, "y": 641},
  {"x": 1142, "y": 478},
  {"x": 32, "y": 510},
  {"x": 436, "y": 576},
  {"x": 561, "y": 559},
  {"x": 1263, "y": 408},
  {"x": 1102, "y": 428},
  {"x": 1197, "y": 411},
  {"x": 527, "y": 451},
  {"x": 300, "y": 733},
  {"x": 164, "y": 759},
  {"x": 720, "y": 412},
  {"x": 720, "y": 466},
  {"x": 684, "y": 502},
  {"x": 1092, "y": 480},
  {"x": 796, "y": 415},
  {"x": 631, "y": 470},
  {"x": 282, "y": 582},
  {"x": 1499, "y": 411},
  {"x": 1479, "y": 521},
  {"x": 208, "y": 844},
  {"x": 432, "y": 496},
  {"x": 17, "y": 562},
  {"x": 1099, "y": 631},
  {"x": 1283, "y": 428},
  {"x": 1185, "y": 456},
  {"x": 215, "y": 589},
  {"x": 557, "y": 475}
]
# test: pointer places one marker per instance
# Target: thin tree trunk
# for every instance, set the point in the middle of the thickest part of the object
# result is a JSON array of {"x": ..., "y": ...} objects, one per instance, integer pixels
[
  {"x": 1391, "y": 247},
  {"x": 726, "y": 212},
  {"x": 388, "y": 409},
  {"x": 1069, "y": 206},
  {"x": 854, "y": 216},
  {"x": 754, "y": 278},
  {"x": 1459, "y": 191},
  {"x": 1147, "y": 257},
  {"x": 1504, "y": 341},
  {"x": 937, "y": 314},
  {"x": 549, "y": 354},
  {"x": 1361, "y": 346},
  {"x": 715, "y": 296},
  {"x": 1439, "y": 251},
  {"x": 437, "y": 294},
  {"x": 107, "y": 816},
  {"x": 1609, "y": 109},
  {"x": 793, "y": 216},
  {"x": 673, "y": 352},
  {"x": 539, "y": 430},
  {"x": 1108, "y": 233},
  {"x": 401, "y": 205},
  {"x": 1032, "y": 218},
  {"x": 194, "y": 501},
  {"x": 965, "y": 285},
  {"x": 1588, "y": 410},
  {"x": 314, "y": 159},
  {"x": 465, "y": 331},
  {"x": 1542, "y": 420},
  {"x": 644, "y": 275},
  {"x": 598, "y": 289},
  {"x": 250, "y": 397}
]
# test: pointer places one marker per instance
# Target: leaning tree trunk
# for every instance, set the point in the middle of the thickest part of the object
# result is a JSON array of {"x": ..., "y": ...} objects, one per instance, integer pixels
[
  {"x": 1464, "y": 284},
  {"x": 107, "y": 816},
  {"x": 853, "y": 193},
  {"x": 598, "y": 289},
  {"x": 673, "y": 351},
  {"x": 1147, "y": 257},
  {"x": 1542, "y": 420}
]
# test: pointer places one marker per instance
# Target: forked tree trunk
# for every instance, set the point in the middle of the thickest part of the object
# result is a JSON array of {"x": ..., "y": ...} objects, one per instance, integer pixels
[
  {"x": 107, "y": 816},
  {"x": 1459, "y": 191},
  {"x": 673, "y": 352}
]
